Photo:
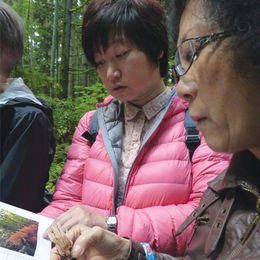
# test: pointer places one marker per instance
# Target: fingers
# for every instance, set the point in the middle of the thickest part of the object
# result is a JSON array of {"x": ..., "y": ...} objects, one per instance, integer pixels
[
  {"x": 54, "y": 224},
  {"x": 96, "y": 242},
  {"x": 84, "y": 238},
  {"x": 77, "y": 231},
  {"x": 66, "y": 220},
  {"x": 68, "y": 223},
  {"x": 79, "y": 234}
]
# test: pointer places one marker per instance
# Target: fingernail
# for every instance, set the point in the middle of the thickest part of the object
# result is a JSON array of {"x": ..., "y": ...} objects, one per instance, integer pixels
[{"x": 76, "y": 251}]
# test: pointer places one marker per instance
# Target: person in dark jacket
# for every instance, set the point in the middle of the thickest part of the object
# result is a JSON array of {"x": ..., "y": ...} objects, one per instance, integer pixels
[
  {"x": 26, "y": 127},
  {"x": 218, "y": 64}
]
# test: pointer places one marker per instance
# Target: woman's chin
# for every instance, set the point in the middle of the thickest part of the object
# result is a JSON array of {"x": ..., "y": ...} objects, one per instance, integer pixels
[{"x": 216, "y": 144}]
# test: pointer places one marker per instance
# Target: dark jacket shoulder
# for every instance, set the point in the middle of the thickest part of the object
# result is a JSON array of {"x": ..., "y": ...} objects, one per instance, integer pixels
[{"x": 27, "y": 150}]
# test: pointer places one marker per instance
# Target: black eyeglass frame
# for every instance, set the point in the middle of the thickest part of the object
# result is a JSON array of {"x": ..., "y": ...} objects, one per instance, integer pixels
[{"x": 203, "y": 41}]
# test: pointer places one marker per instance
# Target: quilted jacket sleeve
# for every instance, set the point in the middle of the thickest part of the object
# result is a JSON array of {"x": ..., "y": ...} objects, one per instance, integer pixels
[
  {"x": 68, "y": 189},
  {"x": 153, "y": 224}
]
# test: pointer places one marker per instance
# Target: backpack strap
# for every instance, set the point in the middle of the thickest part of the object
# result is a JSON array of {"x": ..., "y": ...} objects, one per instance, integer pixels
[
  {"x": 93, "y": 129},
  {"x": 192, "y": 139}
]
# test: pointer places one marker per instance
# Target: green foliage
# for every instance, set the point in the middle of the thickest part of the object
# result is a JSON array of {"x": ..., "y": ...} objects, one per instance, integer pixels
[
  {"x": 16, "y": 230},
  {"x": 66, "y": 115},
  {"x": 38, "y": 81},
  {"x": 90, "y": 95},
  {"x": 10, "y": 221},
  {"x": 57, "y": 165}
]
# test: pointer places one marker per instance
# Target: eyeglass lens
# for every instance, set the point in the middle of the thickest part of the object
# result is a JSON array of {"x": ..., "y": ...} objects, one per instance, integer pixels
[{"x": 184, "y": 57}]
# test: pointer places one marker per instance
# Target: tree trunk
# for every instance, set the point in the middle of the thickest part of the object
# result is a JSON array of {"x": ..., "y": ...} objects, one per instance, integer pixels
[
  {"x": 66, "y": 48},
  {"x": 54, "y": 39}
]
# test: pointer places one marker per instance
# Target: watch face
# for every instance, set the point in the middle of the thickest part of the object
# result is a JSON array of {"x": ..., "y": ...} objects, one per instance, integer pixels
[{"x": 111, "y": 220}]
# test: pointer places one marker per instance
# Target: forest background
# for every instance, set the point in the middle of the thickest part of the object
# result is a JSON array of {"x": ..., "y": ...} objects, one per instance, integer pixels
[{"x": 55, "y": 68}]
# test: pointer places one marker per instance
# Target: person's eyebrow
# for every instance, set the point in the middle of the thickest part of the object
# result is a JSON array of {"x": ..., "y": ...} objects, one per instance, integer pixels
[{"x": 184, "y": 37}]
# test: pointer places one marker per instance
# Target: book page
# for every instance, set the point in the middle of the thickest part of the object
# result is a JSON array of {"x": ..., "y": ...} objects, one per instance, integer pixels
[{"x": 21, "y": 234}]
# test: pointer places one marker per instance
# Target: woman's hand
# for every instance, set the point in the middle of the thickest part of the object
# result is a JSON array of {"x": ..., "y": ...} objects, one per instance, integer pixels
[
  {"x": 78, "y": 215},
  {"x": 95, "y": 244}
]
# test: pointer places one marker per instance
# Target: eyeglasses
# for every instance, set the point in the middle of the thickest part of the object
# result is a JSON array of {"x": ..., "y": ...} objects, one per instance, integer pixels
[{"x": 188, "y": 51}]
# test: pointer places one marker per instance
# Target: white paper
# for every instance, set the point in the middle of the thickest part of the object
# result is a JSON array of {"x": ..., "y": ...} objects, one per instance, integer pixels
[{"x": 21, "y": 238}]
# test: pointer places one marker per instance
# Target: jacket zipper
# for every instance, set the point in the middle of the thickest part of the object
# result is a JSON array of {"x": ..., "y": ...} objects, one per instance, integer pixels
[
  {"x": 131, "y": 169},
  {"x": 152, "y": 131},
  {"x": 250, "y": 228}
]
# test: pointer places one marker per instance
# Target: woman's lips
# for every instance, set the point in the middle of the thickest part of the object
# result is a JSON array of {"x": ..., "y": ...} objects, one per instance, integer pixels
[
  {"x": 197, "y": 118},
  {"x": 117, "y": 88}
]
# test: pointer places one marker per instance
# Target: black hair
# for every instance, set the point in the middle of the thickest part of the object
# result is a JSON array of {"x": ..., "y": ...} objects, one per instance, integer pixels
[
  {"x": 240, "y": 16},
  {"x": 142, "y": 22}
]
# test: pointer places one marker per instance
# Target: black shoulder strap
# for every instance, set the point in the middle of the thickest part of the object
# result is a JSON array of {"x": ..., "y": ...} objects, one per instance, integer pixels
[
  {"x": 93, "y": 129},
  {"x": 192, "y": 138}
]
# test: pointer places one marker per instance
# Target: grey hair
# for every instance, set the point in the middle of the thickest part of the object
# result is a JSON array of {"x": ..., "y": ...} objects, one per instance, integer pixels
[{"x": 11, "y": 38}]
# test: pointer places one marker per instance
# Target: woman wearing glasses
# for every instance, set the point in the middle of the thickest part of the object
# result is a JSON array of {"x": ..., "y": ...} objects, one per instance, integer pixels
[
  {"x": 218, "y": 64},
  {"x": 138, "y": 171}
]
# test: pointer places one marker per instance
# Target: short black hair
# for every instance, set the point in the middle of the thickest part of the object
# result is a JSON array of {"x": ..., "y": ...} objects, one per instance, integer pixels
[
  {"x": 240, "y": 16},
  {"x": 142, "y": 22}
]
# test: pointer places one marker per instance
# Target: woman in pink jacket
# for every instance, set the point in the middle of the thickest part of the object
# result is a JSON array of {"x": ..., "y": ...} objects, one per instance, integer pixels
[{"x": 137, "y": 178}]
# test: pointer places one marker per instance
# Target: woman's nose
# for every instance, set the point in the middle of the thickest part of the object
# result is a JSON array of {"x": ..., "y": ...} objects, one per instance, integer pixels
[
  {"x": 113, "y": 72},
  {"x": 186, "y": 90}
]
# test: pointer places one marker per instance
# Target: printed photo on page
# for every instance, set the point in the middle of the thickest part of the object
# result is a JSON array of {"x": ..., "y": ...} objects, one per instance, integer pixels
[{"x": 21, "y": 234}]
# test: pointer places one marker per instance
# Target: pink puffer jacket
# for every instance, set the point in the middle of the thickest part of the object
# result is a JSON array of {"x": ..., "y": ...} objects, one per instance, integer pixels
[{"x": 163, "y": 186}]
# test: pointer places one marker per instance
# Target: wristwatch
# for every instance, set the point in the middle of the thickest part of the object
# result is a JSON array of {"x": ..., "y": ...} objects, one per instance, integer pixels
[{"x": 111, "y": 223}]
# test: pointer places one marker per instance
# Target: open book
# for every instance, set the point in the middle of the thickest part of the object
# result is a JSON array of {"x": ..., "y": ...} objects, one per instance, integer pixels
[{"x": 21, "y": 234}]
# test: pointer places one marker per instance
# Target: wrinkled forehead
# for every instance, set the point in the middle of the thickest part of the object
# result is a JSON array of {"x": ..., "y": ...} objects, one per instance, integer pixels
[{"x": 193, "y": 22}]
